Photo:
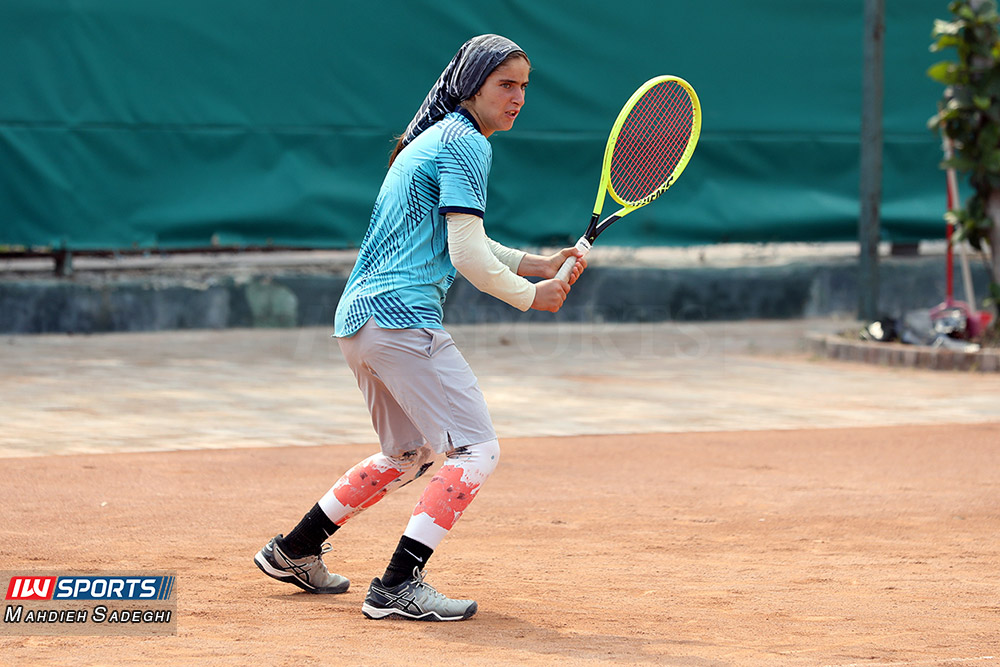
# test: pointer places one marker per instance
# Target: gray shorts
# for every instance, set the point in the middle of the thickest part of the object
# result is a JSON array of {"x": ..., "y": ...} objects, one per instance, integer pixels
[{"x": 419, "y": 389}]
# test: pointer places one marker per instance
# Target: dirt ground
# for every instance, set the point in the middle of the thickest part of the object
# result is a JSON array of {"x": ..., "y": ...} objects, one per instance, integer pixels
[
  {"x": 768, "y": 545},
  {"x": 848, "y": 546}
]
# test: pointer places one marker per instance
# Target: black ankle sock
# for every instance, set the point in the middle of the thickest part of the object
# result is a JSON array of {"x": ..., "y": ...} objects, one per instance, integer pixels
[
  {"x": 409, "y": 554},
  {"x": 307, "y": 538}
]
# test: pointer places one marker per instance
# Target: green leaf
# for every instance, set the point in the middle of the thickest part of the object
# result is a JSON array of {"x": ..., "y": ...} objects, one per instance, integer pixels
[
  {"x": 945, "y": 42},
  {"x": 943, "y": 72},
  {"x": 961, "y": 164}
]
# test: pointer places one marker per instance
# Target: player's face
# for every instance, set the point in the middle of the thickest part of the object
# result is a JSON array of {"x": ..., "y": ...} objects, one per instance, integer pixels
[{"x": 499, "y": 100}]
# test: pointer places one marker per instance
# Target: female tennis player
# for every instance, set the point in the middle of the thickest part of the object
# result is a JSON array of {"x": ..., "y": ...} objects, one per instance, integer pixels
[{"x": 423, "y": 397}]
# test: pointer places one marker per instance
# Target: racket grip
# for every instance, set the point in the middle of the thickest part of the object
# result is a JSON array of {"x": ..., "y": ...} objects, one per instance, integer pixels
[{"x": 563, "y": 274}]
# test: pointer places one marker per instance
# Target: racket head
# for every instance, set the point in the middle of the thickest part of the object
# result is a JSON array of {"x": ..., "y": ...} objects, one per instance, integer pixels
[{"x": 651, "y": 141}]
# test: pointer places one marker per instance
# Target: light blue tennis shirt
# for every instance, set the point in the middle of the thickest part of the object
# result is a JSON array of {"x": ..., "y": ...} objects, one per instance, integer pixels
[{"x": 403, "y": 270}]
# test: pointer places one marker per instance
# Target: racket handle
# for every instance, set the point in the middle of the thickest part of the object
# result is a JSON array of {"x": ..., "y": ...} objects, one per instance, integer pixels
[{"x": 584, "y": 246}]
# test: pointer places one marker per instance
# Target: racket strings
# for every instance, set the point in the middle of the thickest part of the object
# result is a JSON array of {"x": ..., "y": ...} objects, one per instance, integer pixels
[
  {"x": 655, "y": 135},
  {"x": 652, "y": 141}
]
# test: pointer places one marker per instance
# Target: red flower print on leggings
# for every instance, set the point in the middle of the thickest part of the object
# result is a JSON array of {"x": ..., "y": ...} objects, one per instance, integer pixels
[
  {"x": 446, "y": 497},
  {"x": 363, "y": 486}
]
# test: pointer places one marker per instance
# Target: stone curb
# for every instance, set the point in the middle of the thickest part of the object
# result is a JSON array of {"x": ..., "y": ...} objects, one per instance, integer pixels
[{"x": 900, "y": 355}]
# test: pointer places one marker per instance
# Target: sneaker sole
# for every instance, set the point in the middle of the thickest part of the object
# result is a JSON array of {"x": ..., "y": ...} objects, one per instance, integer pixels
[
  {"x": 261, "y": 562},
  {"x": 379, "y": 613}
]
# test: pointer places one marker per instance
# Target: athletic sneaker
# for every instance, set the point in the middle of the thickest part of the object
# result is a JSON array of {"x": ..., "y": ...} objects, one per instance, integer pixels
[
  {"x": 415, "y": 600},
  {"x": 308, "y": 573}
]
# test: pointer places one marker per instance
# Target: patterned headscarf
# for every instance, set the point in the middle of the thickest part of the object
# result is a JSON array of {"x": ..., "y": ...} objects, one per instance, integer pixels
[{"x": 460, "y": 80}]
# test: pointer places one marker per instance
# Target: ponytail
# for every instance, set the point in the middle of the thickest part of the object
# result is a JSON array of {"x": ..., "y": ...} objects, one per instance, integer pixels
[{"x": 395, "y": 151}]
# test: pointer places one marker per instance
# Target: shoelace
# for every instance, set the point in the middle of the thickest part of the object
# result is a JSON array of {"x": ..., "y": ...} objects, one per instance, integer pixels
[
  {"x": 318, "y": 562},
  {"x": 314, "y": 562},
  {"x": 428, "y": 591}
]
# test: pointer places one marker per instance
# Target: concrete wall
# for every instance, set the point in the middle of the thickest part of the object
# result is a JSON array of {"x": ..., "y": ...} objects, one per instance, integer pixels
[{"x": 293, "y": 297}]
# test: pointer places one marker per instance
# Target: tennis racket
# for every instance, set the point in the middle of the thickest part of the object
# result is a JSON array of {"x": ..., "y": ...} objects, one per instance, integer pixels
[{"x": 649, "y": 146}]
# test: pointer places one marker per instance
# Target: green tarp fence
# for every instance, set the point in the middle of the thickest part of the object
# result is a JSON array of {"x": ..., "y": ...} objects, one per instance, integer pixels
[{"x": 176, "y": 124}]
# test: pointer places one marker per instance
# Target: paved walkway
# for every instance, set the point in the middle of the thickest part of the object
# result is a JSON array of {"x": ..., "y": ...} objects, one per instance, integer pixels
[{"x": 262, "y": 388}]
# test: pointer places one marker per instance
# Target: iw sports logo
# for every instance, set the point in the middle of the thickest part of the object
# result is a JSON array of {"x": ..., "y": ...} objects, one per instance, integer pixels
[
  {"x": 54, "y": 603},
  {"x": 90, "y": 588}
]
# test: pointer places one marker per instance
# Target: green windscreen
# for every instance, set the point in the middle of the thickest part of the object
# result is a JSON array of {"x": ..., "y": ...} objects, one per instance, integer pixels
[{"x": 182, "y": 123}]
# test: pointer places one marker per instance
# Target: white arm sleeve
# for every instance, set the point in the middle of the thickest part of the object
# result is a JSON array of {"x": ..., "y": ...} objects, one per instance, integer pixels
[
  {"x": 473, "y": 256},
  {"x": 509, "y": 256}
]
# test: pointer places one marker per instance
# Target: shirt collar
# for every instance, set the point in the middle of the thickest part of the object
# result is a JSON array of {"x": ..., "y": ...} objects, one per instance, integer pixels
[{"x": 465, "y": 112}]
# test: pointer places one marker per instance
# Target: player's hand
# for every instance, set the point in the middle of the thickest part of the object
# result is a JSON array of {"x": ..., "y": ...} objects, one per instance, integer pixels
[
  {"x": 551, "y": 264},
  {"x": 550, "y": 295},
  {"x": 547, "y": 266},
  {"x": 556, "y": 261}
]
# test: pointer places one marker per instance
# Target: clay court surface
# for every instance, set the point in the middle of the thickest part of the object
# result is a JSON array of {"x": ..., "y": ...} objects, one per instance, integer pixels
[{"x": 668, "y": 494}]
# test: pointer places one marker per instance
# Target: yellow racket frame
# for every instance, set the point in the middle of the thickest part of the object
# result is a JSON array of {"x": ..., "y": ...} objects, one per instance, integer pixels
[{"x": 629, "y": 206}]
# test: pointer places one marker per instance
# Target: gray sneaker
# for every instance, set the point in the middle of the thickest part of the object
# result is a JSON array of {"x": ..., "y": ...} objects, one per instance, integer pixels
[
  {"x": 308, "y": 573},
  {"x": 415, "y": 600}
]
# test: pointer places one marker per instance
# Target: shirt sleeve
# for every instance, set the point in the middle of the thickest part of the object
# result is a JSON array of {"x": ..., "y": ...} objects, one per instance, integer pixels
[
  {"x": 473, "y": 258},
  {"x": 463, "y": 169}
]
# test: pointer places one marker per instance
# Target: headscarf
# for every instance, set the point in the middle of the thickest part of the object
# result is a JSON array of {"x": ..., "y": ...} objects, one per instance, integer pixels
[{"x": 460, "y": 80}]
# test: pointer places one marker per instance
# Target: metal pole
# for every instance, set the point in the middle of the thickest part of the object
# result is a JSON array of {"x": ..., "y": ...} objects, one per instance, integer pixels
[{"x": 871, "y": 160}]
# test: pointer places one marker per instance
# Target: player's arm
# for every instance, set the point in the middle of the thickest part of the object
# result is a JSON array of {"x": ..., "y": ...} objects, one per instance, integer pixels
[
  {"x": 539, "y": 266},
  {"x": 473, "y": 256}
]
